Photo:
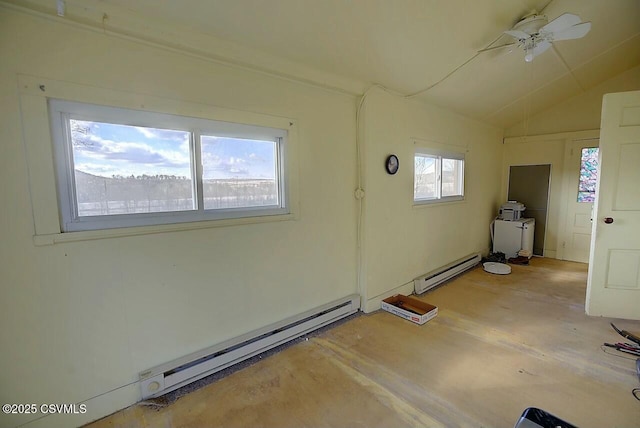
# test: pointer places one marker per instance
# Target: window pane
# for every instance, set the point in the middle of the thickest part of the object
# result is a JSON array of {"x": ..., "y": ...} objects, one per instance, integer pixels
[
  {"x": 425, "y": 177},
  {"x": 239, "y": 172},
  {"x": 588, "y": 174},
  {"x": 452, "y": 177},
  {"x": 121, "y": 169}
]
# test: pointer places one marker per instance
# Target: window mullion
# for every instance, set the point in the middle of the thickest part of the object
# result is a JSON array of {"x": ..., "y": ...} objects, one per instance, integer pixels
[
  {"x": 279, "y": 173},
  {"x": 72, "y": 199},
  {"x": 68, "y": 166},
  {"x": 197, "y": 170},
  {"x": 439, "y": 186}
]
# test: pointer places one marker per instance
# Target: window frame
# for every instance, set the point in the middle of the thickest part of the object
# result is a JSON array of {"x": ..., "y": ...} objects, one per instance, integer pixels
[
  {"x": 60, "y": 111},
  {"x": 439, "y": 155}
]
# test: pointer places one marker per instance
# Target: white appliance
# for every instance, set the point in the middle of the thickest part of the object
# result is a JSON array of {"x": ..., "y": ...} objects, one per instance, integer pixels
[
  {"x": 511, "y": 236},
  {"x": 512, "y": 210}
]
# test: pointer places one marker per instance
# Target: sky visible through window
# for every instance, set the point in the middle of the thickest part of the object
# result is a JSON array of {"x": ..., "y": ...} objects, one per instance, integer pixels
[
  {"x": 233, "y": 157},
  {"x": 109, "y": 150}
]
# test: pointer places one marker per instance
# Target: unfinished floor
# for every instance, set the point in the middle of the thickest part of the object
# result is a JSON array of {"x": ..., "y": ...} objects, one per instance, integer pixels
[{"x": 498, "y": 345}]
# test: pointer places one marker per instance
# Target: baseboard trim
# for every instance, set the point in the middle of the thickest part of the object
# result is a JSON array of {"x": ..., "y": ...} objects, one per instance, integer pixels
[{"x": 97, "y": 408}]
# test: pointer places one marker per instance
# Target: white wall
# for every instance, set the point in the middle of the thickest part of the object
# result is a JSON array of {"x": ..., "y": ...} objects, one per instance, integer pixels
[
  {"x": 403, "y": 241},
  {"x": 579, "y": 113},
  {"x": 79, "y": 319},
  {"x": 82, "y": 318}
]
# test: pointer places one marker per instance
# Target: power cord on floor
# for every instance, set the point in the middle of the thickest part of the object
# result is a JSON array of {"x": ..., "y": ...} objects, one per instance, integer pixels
[
  {"x": 635, "y": 391},
  {"x": 604, "y": 349}
]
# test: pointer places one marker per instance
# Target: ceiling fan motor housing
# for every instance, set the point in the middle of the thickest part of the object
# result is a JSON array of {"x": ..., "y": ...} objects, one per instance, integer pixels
[{"x": 531, "y": 24}]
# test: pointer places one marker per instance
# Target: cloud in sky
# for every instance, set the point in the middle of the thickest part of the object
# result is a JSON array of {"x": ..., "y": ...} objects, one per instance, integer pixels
[
  {"x": 109, "y": 149},
  {"x": 216, "y": 166},
  {"x": 234, "y": 157},
  {"x": 162, "y": 134},
  {"x": 132, "y": 152}
]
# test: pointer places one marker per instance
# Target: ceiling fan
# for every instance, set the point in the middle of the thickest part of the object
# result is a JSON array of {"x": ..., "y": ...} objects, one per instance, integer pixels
[{"x": 535, "y": 34}]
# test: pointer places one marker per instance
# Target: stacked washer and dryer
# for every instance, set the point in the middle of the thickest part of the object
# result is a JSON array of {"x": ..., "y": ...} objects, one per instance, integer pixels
[{"x": 512, "y": 234}]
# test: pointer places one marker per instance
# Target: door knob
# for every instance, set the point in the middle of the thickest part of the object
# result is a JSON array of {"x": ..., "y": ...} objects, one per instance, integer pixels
[{"x": 608, "y": 220}]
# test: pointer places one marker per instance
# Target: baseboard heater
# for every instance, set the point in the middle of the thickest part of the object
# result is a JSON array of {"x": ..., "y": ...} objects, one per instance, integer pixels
[
  {"x": 428, "y": 281},
  {"x": 190, "y": 368}
]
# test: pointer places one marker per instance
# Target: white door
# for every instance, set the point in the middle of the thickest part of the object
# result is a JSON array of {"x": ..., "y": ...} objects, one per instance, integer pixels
[
  {"x": 613, "y": 285},
  {"x": 581, "y": 169}
]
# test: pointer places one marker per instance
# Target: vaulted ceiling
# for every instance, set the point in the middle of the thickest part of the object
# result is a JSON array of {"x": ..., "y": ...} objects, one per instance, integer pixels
[{"x": 428, "y": 47}]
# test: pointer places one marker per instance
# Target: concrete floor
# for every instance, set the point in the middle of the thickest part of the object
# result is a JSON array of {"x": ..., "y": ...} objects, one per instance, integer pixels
[{"x": 498, "y": 345}]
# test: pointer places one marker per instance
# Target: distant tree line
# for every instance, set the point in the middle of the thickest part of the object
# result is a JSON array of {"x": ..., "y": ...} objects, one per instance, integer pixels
[
  {"x": 97, "y": 195},
  {"x": 149, "y": 177}
]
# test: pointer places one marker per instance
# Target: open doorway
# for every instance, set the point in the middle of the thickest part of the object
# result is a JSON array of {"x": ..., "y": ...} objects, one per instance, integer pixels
[{"x": 529, "y": 184}]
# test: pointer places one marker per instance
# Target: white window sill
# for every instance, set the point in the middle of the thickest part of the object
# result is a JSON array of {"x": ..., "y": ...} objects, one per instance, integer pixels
[
  {"x": 88, "y": 235},
  {"x": 437, "y": 202}
]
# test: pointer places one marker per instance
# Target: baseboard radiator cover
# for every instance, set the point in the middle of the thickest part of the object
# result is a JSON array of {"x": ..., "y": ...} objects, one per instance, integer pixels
[
  {"x": 438, "y": 276},
  {"x": 170, "y": 376}
]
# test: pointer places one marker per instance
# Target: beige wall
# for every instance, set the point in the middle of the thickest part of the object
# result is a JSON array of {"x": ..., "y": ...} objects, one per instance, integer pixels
[
  {"x": 79, "y": 319},
  {"x": 579, "y": 113},
  {"x": 82, "y": 318},
  {"x": 403, "y": 241}
]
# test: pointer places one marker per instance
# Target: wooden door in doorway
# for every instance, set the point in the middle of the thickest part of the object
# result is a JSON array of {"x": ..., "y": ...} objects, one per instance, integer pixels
[
  {"x": 529, "y": 184},
  {"x": 582, "y": 171},
  {"x": 613, "y": 285}
]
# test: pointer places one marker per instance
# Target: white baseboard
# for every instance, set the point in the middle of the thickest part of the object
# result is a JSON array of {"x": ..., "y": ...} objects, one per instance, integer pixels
[
  {"x": 97, "y": 408},
  {"x": 551, "y": 254}
]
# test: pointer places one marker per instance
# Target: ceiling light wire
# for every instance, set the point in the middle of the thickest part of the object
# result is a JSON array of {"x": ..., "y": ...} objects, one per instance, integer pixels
[{"x": 415, "y": 94}]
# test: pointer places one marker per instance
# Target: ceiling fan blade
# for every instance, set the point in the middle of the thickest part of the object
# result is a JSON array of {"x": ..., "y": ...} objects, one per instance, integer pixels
[
  {"x": 496, "y": 47},
  {"x": 575, "y": 32},
  {"x": 561, "y": 23},
  {"x": 541, "y": 47},
  {"x": 517, "y": 34}
]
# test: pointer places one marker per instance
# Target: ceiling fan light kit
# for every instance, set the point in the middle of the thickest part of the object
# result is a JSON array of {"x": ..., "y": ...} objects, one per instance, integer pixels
[{"x": 534, "y": 34}]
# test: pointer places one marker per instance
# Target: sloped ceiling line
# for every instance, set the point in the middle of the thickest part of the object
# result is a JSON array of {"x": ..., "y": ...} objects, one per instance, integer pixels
[
  {"x": 345, "y": 45},
  {"x": 478, "y": 52},
  {"x": 433, "y": 85},
  {"x": 551, "y": 82},
  {"x": 566, "y": 66}
]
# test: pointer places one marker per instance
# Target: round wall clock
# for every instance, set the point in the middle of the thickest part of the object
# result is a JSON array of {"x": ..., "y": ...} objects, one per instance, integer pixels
[{"x": 392, "y": 164}]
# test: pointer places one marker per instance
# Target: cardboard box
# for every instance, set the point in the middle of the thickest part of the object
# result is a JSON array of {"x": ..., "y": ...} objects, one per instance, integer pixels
[{"x": 409, "y": 308}]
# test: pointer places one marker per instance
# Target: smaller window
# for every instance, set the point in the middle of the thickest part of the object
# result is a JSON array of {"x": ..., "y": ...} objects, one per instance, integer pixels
[
  {"x": 588, "y": 175},
  {"x": 438, "y": 176}
]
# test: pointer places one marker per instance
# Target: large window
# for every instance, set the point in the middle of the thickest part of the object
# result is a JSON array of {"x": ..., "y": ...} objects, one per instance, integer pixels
[
  {"x": 438, "y": 176},
  {"x": 121, "y": 168}
]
